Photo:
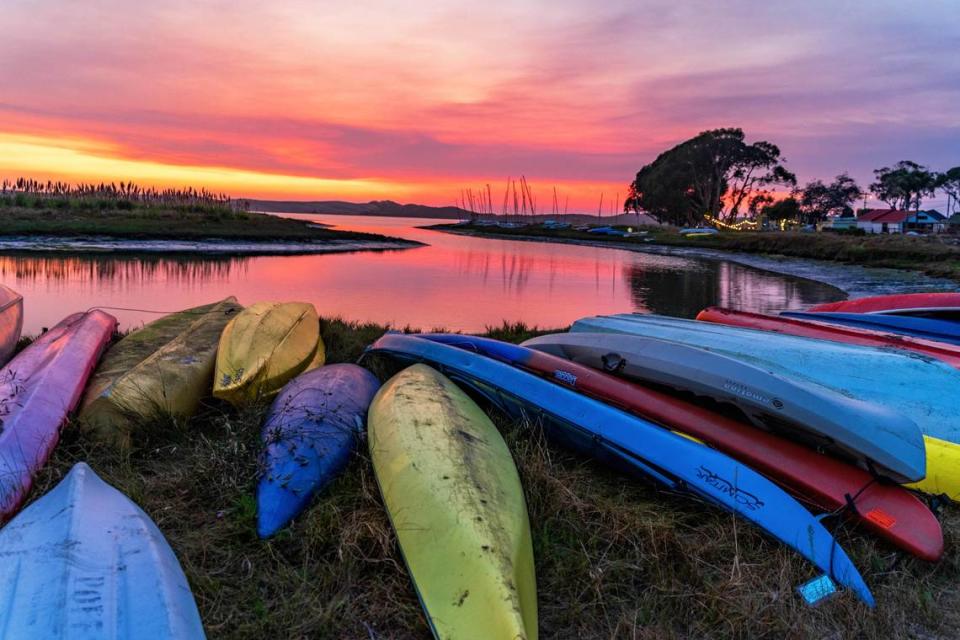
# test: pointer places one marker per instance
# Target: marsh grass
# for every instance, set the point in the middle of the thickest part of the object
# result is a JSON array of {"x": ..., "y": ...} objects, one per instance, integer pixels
[{"x": 616, "y": 557}]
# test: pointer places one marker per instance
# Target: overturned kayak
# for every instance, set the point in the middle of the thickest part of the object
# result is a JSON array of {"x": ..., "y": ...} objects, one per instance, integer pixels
[
  {"x": 874, "y": 437},
  {"x": 814, "y": 328},
  {"x": 163, "y": 369},
  {"x": 265, "y": 346},
  {"x": 907, "y": 383},
  {"x": 38, "y": 389},
  {"x": 629, "y": 442},
  {"x": 454, "y": 498},
  {"x": 933, "y": 329},
  {"x": 84, "y": 561},
  {"x": 888, "y": 511},
  {"x": 11, "y": 321},
  {"x": 935, "y": 305},
  {"x": 308, "y": 436}
]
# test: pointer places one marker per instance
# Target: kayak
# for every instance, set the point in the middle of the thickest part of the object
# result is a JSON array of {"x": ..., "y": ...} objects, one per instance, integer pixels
[
  {"x": 902, "y": 382},
  {"x": 454, "y": 498},
  {"x": 163, "y": 369},
  {"x": 38, "y": 389},
  {"x": 308, "y": 436},
  {"x": 944, "y": 305},
  {"x": 11, "y": 321},
  {"x": 926, "y": 328},
  {"x": 888, "y": 511},
  {"x": 874, "y": 437},
  {"x": 85, "y": 562},
  {"x": 265, "y": 346},
  {"x": 813, "y": 328},
  {"x": 631, "y": 443}
]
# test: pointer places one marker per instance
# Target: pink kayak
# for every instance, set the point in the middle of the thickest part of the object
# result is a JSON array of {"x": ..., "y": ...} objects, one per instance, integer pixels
[
  {"x": 38, "y": 389},
  {"x": 919, "y": 304},
  {"x": 11, "y": 321}
]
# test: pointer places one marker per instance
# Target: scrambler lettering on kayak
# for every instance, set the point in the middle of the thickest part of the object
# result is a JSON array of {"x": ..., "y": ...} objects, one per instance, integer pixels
[
  {"x": 744, "y": 391},
  {"x": 565, "y": 377},
  {"x": 740, "y": 496}
]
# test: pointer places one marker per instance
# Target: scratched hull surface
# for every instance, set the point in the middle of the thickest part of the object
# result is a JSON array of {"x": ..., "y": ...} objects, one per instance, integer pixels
[
  {"x": 814, "y": 328},
  {"x": 888, "y": 511},
  {"x": 308, "y": 436},
  {"x": 84, "y": 562},
  {"x": 165, "y": 368},
  {"x": 860, "y": 431},
  {"x": 946, "y": 331},
  {"x": 38, "y": 389},
  {"x": 264, "y": 347},
  {"x": 455, "y": 501},
  {"x": 632, "y": 443},
  {"x": 11, "y": 321}
]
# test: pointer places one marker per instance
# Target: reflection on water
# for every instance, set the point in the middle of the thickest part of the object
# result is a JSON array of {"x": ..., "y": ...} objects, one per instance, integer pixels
[{"x": 457, "y": 282}]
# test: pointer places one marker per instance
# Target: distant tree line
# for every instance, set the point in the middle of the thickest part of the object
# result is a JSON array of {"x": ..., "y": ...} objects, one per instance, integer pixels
[{"x": 718, "y": 175}]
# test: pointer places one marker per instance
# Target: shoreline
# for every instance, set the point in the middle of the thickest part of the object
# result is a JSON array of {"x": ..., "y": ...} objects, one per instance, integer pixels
[{"x": 853, "y": 279}]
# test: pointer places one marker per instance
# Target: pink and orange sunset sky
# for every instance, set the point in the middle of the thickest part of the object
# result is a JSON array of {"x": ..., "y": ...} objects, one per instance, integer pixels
[{"x": 413, "y": 100}]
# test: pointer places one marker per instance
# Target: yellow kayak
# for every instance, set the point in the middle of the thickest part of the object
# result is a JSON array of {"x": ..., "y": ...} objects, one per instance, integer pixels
[
  {"x": 165, "y": 368},
  {"x": 455, "y": 501},
  {"x": 263, "y": 347},
  {"x": 943, "y": 469}
]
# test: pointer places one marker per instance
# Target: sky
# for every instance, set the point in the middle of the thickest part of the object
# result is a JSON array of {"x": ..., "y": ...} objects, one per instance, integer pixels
[{"x": 414, "y": 101}]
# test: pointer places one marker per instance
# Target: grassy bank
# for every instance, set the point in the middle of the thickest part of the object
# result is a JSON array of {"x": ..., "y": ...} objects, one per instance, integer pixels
[
  {"x": 929, "y": 255},
  {"x": 72, "y": 217},
  {"x": 616, "y": 558}
]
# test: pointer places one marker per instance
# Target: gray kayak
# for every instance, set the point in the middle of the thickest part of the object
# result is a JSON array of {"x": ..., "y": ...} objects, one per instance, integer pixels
[{"x": 875, "y": 437}]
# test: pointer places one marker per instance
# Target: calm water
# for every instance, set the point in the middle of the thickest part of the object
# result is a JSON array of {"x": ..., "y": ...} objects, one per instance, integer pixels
[{"x": 457, "y": 282}]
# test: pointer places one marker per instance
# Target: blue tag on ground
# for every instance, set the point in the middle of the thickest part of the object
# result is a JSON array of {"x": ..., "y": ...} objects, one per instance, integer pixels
[{"x": 817, "y": 590}]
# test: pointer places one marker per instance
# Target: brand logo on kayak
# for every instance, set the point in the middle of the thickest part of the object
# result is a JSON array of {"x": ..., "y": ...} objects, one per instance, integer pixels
[
  {"x": 565, "y": 377},
  {"x": 744, "y": 391},
  {"x": 741, "y": 497}
]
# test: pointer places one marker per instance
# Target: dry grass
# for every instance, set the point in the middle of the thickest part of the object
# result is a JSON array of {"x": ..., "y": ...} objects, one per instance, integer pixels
[{"x": 616, "y": 557}]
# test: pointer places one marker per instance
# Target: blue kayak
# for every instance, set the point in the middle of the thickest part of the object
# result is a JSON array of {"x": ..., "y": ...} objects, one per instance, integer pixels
[
  {"x": 917, "y": 327},
  {"x": 631, "y": 443},
  {"x": 308, "y": 436}
]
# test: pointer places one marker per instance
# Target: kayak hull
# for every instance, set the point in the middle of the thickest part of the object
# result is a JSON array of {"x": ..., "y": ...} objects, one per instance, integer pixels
[
  {"x": 11, "y": 322},
  {"x": 308, "y": 437},
  {"x": 629, "y": 442},
  {"x": 945, "y": 305},
  {"x": 890, "y": 512},
  {"x": 85, "y": 562},
  {"x": 873, "y": 436},
  {"x": 454, "y": 498},
  {"x": 926, "y": 328},
  {"x": 264, "y": 347},
  {"x": 163, "y": 369},
  {"x": 812, "y": 328},
  {"x": 38, "y": 389}
]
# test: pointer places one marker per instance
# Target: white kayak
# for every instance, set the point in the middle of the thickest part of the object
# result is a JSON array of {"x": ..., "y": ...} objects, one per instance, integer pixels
[{"x": 85, "y": 562}]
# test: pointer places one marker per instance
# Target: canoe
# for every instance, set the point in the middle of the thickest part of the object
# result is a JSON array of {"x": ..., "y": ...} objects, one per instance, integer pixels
[
  {"x": 163, "y": 369},
  {"x": 931, "y": 329},
  {"x": 38, "y": 389},
  {"x": 630, "y": 443},
  {"x": 84, "y": 562},
  {"x": 874, "y": 437},
  {"x": 11, "y": 321},
  {"x": 950, "y": 354},
  {"x": 888, "y": 511},
  {"x": 902, "y": 382},
  {"x": 454, "y": 498},
  {"x": 264, "y": 347},
  {"x": 308, "y": 436},
  {"x": 944, "y": 304}
]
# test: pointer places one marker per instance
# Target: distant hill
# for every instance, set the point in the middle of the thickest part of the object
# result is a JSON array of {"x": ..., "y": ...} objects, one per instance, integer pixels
[
  {"x": 396, "y": 210},
  {"x": 373, "y": 208}
]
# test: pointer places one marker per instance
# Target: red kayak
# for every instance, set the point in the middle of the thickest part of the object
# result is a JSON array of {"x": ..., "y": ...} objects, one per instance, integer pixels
[
  {"x": 922, "y": 304},
  {"x": 946, "y": 352},
  {"x": 38, "y": 389},
  {"x": 889, "y": 511}
]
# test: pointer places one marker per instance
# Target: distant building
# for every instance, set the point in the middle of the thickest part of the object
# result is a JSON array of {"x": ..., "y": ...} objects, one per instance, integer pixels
[
  {"x": 846, "y": 220},
  {"x": 898, "y": 221}
]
